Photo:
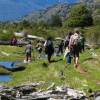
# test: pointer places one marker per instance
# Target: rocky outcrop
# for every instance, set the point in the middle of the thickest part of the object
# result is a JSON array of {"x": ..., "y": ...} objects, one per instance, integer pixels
[{"x": 31, "y": 92}]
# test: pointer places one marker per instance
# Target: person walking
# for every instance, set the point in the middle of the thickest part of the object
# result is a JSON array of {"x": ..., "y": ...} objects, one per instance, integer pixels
[
  {"x": 13, "y": 41},
  {"x": 67, "y": 39},
  {"x": 60, "y": 48},
  {"x": 28, "y": 51},
  {"x": 67, "y": 56},
  {"x": 75, "y": 47},
  {"x": 39, "y": 48},
  {"x": 49, "y": 49}
]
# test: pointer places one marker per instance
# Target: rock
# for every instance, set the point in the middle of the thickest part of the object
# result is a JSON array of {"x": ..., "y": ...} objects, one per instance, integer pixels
[
  {"x": 27, "y": 90},
  {"x": 97, "y": 95}
]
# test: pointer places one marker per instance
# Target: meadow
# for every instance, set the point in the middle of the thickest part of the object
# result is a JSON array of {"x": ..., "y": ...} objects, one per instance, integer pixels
[{"x": 86, "y": 77}]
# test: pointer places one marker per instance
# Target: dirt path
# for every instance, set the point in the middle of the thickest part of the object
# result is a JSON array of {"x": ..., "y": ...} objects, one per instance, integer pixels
[{"x": 80, "y": 70}]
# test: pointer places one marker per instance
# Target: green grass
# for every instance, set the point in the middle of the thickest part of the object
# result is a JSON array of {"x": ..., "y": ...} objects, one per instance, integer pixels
[
  {"x": 4, "y": 71},
  {"x": 40, "y": 70}
]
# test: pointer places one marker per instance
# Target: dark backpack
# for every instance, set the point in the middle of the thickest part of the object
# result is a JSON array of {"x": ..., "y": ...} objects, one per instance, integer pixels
[
  {"x": 49, "y": 47},
  {"x": 76, "y": 41}
]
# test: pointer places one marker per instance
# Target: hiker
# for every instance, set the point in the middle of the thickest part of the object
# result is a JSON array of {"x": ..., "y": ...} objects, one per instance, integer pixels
[
  {"x": 13, "y": 41},
  {"x": 49, "y": 49},
  {"x": 60, "y": 48},
  {"x": 67, "y": 55},
  {"x": 39, "y": 47},
  {"x": 28, "y": 51},
  {"x": 67, "y": 39},
  {"x": 75, "y": 47}
]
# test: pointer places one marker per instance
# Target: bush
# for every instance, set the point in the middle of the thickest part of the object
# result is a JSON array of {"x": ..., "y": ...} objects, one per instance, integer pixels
[
  {"x": 79, "y": 16},
  {"x": 93, "y": 34},
  {"x": 6, "y": 36},
  {"x": 55, "y": 21}
]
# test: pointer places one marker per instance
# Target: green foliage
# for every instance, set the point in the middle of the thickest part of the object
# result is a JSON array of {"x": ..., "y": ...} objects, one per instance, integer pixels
[
  {"x": 96, "y": 17},
  {"x": 6, "y": 36},
  {"x": 4, "y": 71},
  {"x": 92, "y": 34},
  {"x": 25, "y": 24},
  {"x": 55, "y": 21},
  {"x": 79, "y": 16}
]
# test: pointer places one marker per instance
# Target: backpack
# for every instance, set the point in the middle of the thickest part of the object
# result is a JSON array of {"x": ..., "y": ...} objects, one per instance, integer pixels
[
  {"x": 76, "y": 41},
  {"x": 49, "y": 47},
  {"x": 48, "y": 43},
  {"x": 28, "y": 49}
]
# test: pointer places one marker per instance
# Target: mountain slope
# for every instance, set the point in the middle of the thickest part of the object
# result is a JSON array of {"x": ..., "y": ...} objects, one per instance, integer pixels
[
  {"x": 45, "y": 15},
  {"x": 93, "y": 4},
  {"x": 60, "y": 9}
]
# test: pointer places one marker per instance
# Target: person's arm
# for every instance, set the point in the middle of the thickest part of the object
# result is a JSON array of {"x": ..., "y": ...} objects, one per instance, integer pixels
[
  {"x": 25, "y": 49},
  {"x": 31, "y": 48},
  {"x": 45, "y": 43},
  {"x": 70, "y": 42}
]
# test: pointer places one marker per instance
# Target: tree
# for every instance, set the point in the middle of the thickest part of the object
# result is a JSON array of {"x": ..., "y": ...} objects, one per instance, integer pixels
[
  {"x": 55, "y": 21},
  {"x": 96, "y": 17},
  {"x": 79, "y": 16},
  {"x": 25, "y": 24}
]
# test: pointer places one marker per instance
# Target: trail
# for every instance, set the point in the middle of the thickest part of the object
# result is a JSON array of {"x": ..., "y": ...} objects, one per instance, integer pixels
[{"x": 81, "y": 70}]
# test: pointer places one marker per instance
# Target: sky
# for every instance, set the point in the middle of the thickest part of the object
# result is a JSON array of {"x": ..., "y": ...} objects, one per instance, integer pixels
[{"x": 15, "y": 9}]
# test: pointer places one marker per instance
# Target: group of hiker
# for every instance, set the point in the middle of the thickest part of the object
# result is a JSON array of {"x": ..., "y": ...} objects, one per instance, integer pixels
[{"x": 71, "y": 46}]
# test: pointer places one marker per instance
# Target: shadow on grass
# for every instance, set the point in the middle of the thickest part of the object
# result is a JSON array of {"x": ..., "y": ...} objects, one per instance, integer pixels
[
  {"x": 53, "y": 61},
  {"x": 20, "y": 68},
  {"x": 45, "y": 65},
  {"x": 88, "y": 59}
]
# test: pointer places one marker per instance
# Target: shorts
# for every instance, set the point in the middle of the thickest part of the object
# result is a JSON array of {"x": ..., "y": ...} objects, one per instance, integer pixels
[
  {"x": 75, "y": 51},
  {"x": 28, "y": 54}
]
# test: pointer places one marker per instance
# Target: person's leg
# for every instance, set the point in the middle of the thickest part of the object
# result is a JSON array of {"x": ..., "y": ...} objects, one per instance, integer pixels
[
  {"x": 58, "y": 51},
  {"x": 29, "y": 57},
  {"x": 76, "y": 61},
  {"x": 68, "y": 59},
  {"x": 26, "y": 57},
  {"x": 49, "y": 58},
  {"x": 76, "y": 58},
  {"x": 61, "y": 50}
]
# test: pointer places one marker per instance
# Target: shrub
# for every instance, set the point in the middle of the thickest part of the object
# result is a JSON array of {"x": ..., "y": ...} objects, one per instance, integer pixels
[{"x": 79, "y": 16}]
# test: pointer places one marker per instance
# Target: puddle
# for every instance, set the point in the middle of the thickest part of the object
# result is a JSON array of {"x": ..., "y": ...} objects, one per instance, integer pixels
[
  {"x": 9, "y": 64},
  {"x": 5, "y": 78}
]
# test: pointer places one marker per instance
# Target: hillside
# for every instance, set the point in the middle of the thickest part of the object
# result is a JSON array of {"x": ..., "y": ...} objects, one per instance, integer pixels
[
  {"x": 44, "y": 15},
  {"x": 60, "y": 9},
  {"x": 12, "y": 10},
  {"x": 93, "y": 4}
]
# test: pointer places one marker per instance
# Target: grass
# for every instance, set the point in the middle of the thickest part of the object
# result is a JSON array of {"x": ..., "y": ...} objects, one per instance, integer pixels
[
  {"x": 4, "y": 71},
  {"x": 40, "y": 70}
]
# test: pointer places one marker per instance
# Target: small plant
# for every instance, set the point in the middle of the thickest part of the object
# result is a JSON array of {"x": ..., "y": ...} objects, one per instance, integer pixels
[{"x": 44, "y": 64}]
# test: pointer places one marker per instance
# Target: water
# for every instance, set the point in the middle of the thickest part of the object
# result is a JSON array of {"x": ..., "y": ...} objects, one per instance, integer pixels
[
  {"x": 7, "y": 64},
  {"x": 5, "y": 78}
]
